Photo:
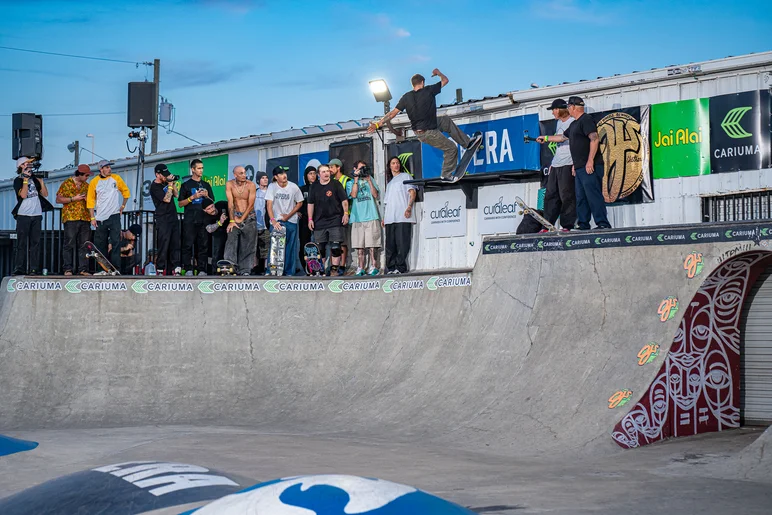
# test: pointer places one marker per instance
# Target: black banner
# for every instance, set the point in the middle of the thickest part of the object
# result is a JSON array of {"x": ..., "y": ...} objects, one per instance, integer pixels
[
  {"x": 577, "y": 240},
  {"x": 290, "y": 162},
  {"x": 409, "y": 154},
  {"x": 740, "y": 131},
  {"x": 351, "y": 151}
]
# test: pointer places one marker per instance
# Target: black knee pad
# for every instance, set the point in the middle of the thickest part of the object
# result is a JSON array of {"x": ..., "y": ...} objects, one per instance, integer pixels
[{"x": 335, "y": 249}]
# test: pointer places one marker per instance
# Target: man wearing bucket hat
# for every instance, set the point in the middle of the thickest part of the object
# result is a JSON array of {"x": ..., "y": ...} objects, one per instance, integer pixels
[
  {"x": 76, "y": 219},
  {"x": 31, "y": 203},
  {"x": 560, "y": 197}
]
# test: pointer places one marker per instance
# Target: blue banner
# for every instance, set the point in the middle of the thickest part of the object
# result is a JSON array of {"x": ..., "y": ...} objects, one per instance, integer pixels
[
  {"x": 503, "y": 148},
  {"x": 313, "y": 159}
]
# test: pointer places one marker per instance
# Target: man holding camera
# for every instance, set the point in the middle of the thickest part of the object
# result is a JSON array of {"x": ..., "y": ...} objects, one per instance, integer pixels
[
  {"x": 106, "y": 200},
  {"x": 327, "y": 216},
  {"x": 192, "y": 194},
  {"x": 365, "y": 226},
  {"x": 31, "y": 203},
  {"x": 163, "y": 191},
  {"x": 76, "y": 219}
]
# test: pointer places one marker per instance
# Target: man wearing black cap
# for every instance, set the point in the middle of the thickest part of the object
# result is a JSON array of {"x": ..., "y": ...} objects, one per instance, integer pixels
[
  {"x": 560, "y": 197},
  {"x": 582, "y": 136},
  {"x": 163, "y": 191},
  {"x": 106, "y": 199},
  {"x": 421, "y": 106},
  {"x": 76, "y": 219},
  {"x": 283, "y": 200}
]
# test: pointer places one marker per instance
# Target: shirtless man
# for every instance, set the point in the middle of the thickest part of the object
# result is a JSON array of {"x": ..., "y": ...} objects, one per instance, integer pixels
[{"x": 242, "y": 229}]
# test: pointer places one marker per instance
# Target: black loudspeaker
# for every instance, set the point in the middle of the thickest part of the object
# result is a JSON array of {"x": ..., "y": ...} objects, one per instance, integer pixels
[
  {"x": 27, "y": 137},
  {"x": 141, "y": 109}
]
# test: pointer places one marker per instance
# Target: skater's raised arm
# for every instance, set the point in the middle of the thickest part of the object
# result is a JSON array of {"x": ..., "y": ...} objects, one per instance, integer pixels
[
  {"x": 443, "y": 78},
  {"x": 388, "y": 117}
]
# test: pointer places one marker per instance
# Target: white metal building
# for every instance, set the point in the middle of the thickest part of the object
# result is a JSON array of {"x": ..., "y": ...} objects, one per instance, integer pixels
[{"x": 677, "y": 200}]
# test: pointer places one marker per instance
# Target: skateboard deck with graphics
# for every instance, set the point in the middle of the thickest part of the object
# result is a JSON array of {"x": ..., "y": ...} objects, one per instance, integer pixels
[
  {"x": 102, "y": 261},
  {"x": 314, "y": 265},
  {"x": 225, "y": 267},
  {"x": 460, "y": 170},
  {"x": 527, "y": 210},
  {"x": 276, "y": 253}
]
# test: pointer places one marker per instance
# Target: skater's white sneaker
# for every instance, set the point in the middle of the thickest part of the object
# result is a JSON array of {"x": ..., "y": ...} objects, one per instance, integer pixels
[{"x": 177, "y": 271}]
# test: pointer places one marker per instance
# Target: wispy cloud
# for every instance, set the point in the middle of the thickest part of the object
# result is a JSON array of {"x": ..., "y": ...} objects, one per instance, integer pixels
[
  {"x": 385, "y": 26},
  {"x": 191, "y": 74},
  {"x": 418, "y": 58},
  {"x": 233, "y": 6}
]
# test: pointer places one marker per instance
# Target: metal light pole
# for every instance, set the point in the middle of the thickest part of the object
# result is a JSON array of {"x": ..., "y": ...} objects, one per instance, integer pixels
[{"x": 93, "y": 155}]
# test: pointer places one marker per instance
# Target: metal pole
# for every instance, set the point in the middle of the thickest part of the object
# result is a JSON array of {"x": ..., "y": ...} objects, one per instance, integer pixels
[
  {"x": 157, "y": 82},
  {"x": 77, "y": 153}
]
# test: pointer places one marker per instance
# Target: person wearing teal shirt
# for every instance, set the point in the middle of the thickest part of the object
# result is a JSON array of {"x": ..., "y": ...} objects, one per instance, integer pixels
[{"x": 365, "y": 218}]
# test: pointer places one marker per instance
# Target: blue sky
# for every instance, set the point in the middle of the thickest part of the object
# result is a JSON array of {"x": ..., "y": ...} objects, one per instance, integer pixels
[{"x": 240, "y": 67}]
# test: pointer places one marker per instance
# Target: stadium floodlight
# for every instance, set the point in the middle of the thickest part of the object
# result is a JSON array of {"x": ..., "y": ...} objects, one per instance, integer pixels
[{"x": 381, "y": 93}]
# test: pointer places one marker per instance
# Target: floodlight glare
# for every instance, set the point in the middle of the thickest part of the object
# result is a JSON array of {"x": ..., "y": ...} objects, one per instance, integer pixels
[{"x": 380, "y": 90}]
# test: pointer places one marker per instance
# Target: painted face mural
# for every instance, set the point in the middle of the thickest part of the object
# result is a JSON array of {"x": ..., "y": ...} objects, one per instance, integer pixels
[{"x": 697, "y": 389}]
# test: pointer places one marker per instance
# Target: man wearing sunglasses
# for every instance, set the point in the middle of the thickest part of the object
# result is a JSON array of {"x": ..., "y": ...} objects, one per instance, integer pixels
[{"x": 76, "y": 219}]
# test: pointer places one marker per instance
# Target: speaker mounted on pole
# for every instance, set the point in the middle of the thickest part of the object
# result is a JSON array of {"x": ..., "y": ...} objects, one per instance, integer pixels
[
  {"x": 27, "y": 135},
  {"x": 141, "y": 108}
]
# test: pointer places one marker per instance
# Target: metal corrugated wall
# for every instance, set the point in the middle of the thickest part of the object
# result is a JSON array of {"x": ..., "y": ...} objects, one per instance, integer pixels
[{"x": 757, "y": 354}]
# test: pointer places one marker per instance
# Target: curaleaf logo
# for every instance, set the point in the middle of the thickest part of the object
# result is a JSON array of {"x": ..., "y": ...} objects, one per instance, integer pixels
[
  {"x": 500, "y": 208},
  {"x": 731, "y": 123},
  {"x": 445, "y": 213}
]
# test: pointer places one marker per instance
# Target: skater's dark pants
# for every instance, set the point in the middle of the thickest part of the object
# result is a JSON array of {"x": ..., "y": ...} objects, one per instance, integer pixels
[
  {"x": 76, "y": 233},
  {"x": 195, "y": 233},
  {"x": 560, "y": 197},
  {"x": 240, "y": 247},
  {"x": 168, "y": 228},
  {"x": 398, "y": 238},
  {"x": 27, "y": 235},
  {"x": 110, "y": 228},
  {"x": 435, "y": 138},
  {"x": 589, "y": 198}
]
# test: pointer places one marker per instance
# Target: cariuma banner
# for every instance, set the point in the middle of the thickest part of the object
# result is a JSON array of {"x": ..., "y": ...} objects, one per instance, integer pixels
[
  {"x": 680, "y": 138},
  {"x": 739, "y": 131}
]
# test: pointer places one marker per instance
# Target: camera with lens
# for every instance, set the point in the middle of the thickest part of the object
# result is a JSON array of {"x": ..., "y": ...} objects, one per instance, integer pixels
[
  {"x": 36, "y": 171},
  {"x": 362, "y": 172},
  {"x": 171, "y": 178}
]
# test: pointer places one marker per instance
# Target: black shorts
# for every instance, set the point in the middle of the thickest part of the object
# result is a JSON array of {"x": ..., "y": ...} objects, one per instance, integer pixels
[{"x": 329, "y": 235}]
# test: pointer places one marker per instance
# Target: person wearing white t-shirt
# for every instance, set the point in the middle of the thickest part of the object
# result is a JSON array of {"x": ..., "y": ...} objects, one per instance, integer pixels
[
  {"x": 283, "y": 200},
  {"x": 560, "y": 197},
  {"x": 398, "y": 218},
  {"x": 31, "y": 203}
]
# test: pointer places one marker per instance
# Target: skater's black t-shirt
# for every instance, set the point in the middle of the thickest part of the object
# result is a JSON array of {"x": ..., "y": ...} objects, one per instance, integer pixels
[
  {"x": 421, "y": 107},
  {"x": 579, "y": 142},
  {"x": 327, "y": 200},
  {"x": 162, "y": 209},
  {"x": 194, "y": 211}
]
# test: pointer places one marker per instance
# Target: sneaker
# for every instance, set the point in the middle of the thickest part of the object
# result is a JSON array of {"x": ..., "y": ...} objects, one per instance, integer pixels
[
  {"x": 476, "y": 137},
  {"x": 543, "y": 231},
  {"x": 341, "y": 271},
  {"x": 360, "y": 271},
  {"x": 373, "y": 271},
  {"x": 200, "y": 274},
  {"x": 177, "y": 271},
  {"x": 565, "y": 230},
  {"x": 83, "y": 273},
  {"x": 101, "y": 273},
  {"x": 68, "y": 272},
  {"x": 188, "y": 273}
]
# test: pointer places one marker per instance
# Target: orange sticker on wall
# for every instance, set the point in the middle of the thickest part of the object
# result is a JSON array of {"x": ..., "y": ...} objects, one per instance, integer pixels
[
  {"x": 668, "y": 308},
  {"x": 648, "y": 353},
  {"x": 619, "y": 398},
  {"x": 693, "y": 264}
]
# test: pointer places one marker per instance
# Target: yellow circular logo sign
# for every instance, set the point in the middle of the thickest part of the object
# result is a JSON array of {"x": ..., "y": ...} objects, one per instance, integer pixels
[{"x": 624, "y": 149}]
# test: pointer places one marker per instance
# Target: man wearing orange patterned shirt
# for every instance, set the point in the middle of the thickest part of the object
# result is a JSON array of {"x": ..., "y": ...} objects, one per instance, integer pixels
[{"x": 76, "y": 218}]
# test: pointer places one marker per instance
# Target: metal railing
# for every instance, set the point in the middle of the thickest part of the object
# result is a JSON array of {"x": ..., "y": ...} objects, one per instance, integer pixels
[{"x": 738, "y": 207}]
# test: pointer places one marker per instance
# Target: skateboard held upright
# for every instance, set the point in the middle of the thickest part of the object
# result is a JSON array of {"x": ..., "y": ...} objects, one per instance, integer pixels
[
  {"x": 276, "y": 253},
  {"x": 93, "y": 252},
  {"x": 528, "y": 210},
  {"x": 314, "y": 265}
]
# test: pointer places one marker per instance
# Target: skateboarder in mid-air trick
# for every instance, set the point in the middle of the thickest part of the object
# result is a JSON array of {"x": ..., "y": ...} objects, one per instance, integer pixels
[{"x": 421, "y": 107}]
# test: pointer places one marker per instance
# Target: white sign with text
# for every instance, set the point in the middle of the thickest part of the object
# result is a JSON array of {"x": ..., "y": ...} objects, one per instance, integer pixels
[
  {"x": 496, "y": 209},
  {"x": 444, "y": 214}
]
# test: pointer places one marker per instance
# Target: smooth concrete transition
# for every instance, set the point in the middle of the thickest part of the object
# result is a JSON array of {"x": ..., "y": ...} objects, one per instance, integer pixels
[{"x": 492, "y": 392}]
